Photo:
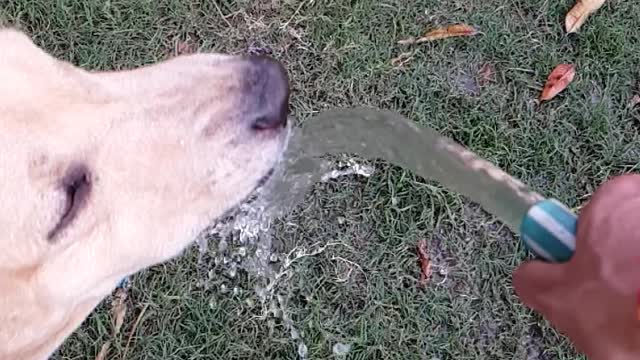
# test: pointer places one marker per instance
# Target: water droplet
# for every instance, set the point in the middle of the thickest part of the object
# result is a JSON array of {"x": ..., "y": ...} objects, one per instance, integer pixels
[
  {"x": 242, "y": 251},
  {"x": 302, "y": 350},
  {"x": 341, "y": 349}
]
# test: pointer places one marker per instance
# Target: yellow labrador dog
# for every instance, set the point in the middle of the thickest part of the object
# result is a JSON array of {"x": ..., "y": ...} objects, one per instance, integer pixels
[{"x": 104, "y": 174}]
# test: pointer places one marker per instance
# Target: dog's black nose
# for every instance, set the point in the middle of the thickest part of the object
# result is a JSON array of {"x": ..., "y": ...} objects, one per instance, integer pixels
[{"x": 269, "y": 85}]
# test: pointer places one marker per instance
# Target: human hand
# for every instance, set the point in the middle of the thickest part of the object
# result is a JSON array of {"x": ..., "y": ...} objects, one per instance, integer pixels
[{"x": 594, "y": 297}]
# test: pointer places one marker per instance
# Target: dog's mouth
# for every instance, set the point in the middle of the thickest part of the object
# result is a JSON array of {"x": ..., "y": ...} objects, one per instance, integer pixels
[
  {"x": 262, "y": 185},
  {"x": 253, "y": 197},
  {"x": 258, "y": 190},
  {"x": 263, "y": 180}
]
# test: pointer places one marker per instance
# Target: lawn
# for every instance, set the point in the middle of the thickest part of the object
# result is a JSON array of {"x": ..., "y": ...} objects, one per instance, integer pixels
[{"x": 362, "y": 291}]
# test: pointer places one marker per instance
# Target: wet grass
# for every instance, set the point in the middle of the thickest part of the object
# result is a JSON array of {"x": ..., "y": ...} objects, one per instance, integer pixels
[{"x": 363, "y": 291}]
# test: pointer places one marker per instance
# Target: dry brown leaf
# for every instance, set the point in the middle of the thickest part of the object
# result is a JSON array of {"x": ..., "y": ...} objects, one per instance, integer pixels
[
  {"x": 118, "y": 310},
  {"x": 447, "y": 32},
  {"x": 425, "y": 262},
  {"x": 402, "y": 59},
  {"x": 487, "y": 74},
  {"x": 104, "y": 351},
  {"x": 408, "y": 41},
  {"x": 635, "y": 100},
  {"x": 580, "y": 12},
  {"x": 557, "y": 81},
  {"x": 442, "y": 33}
]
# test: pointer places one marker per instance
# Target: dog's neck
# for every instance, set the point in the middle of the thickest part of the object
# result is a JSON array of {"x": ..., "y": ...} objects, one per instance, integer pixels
[{"x": 58, "y": 326}]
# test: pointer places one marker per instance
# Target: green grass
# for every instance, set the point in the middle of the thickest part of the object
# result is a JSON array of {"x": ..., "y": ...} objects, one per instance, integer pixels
[{"x": 364, "y": 292}]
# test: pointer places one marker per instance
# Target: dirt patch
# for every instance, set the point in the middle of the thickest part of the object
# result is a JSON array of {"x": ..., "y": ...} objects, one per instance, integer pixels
[
  {"x": 466, "y": 83},
  {"x": 188, "y": 44},
  {"x": 532, "y": 345}
]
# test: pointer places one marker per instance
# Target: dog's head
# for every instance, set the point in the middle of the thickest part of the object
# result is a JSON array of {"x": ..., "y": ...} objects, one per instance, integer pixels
[{"x": 103, "y": 174}]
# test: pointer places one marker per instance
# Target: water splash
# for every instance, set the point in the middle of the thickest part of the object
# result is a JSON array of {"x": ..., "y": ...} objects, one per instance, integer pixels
[
  {"x": 370, "y": 134},
  {"x": 341, "y": 350}
]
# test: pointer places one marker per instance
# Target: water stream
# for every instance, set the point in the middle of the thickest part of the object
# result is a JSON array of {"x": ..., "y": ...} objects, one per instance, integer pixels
[
  {"x": 370, "y": 134},
  {"x": 376, "y": 134}
]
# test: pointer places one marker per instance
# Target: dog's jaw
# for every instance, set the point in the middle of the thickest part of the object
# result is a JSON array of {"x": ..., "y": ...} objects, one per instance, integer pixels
[{"x": 54, "y": 327}]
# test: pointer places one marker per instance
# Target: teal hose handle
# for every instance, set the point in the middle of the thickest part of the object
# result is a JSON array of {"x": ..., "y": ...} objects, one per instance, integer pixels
[{"x": 549, "y": 230}]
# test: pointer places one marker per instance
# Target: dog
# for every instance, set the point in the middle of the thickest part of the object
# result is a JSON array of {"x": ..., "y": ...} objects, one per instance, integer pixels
[{"x": 103, "y": 174}]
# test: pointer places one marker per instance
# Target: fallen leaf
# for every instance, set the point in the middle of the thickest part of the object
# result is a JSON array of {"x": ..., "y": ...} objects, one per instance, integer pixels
[
  {"x": 402, "y": 59},
  {"x": 102, "y": 355},
  {"x": 408, "y": 41},
  {"x": 580, "y": 12},
  {"x": 447, "y": 32},
  {"x": 487, "y": 74},
  {"x": 635, "y": 100},
  {"x": 425, "y": 262},
  {"x": 442, "y": 33},
  {"x": 558, "y": 80},
  {"x": 118, "y": 310}
]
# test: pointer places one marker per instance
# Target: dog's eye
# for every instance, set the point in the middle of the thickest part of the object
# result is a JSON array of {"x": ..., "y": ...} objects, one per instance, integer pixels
[{"x": 76, "y": 185}]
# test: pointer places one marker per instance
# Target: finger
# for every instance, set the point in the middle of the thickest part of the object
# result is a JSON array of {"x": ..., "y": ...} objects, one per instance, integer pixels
[{"x": 534, "y": 281}]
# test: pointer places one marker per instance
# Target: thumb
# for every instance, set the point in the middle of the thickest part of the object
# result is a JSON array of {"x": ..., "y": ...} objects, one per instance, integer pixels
[{"x": 535, "y": 280}]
